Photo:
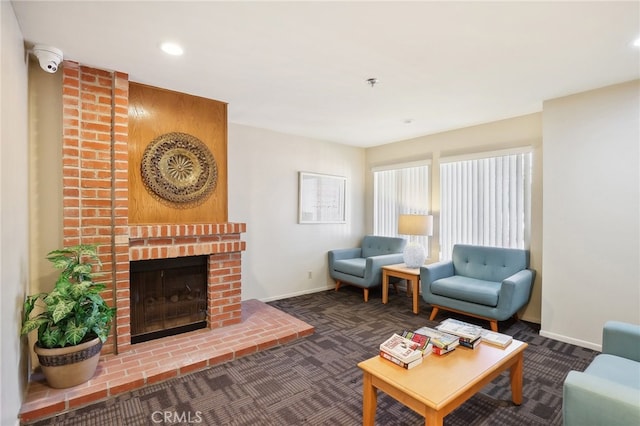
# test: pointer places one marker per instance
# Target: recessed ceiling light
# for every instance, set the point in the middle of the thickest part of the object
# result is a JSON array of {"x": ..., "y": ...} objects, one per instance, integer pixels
[
  {"x": 636, "y": 42},
  {"x": 171, "y": 48}
]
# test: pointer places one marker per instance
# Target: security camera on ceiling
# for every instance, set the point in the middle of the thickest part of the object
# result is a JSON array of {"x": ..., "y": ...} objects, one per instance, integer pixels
[{"x": 48, "y": 56}]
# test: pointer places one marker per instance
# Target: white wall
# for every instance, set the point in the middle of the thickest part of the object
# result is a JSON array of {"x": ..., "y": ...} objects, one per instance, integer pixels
[
  {"x": 45, "y": 177},
  {"x": 591, "y": 213},
  {"x": 14, "y": 214},
  {"x": 45, "y": 180},
  {"x": 263, "y": 192},
  {"x": 511, "y": 133}
]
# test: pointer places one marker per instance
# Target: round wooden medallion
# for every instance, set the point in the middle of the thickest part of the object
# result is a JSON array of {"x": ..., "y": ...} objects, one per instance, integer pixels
[{"x": 179, "y": 168}]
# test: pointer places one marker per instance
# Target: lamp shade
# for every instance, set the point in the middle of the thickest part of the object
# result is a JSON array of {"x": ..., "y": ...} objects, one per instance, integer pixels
[{"x": 415, "y": 224}]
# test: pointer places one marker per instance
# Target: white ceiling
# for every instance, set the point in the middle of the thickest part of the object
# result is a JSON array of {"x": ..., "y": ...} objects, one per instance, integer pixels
[{"x": 300, "y": 67}]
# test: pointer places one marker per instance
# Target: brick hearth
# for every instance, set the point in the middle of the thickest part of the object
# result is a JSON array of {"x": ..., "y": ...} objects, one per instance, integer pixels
[{"x": 262, "y": 327}]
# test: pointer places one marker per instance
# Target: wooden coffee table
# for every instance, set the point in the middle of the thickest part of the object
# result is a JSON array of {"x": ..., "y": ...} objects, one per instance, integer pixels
[
  {"x": 441, "y": 383},
  {"x": 412, "y": 275}
]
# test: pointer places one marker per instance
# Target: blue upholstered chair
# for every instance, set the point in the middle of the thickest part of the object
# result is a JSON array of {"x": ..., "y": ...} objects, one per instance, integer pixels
[
  {"x": 491, "y": 283},
  {"x": 362, "y": 266},
  {"x": 608, "y": 391}
]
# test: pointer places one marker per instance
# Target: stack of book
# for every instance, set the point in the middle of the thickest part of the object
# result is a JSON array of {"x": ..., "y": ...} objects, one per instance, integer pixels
[
  {"x": 469, "y": 335},
  {"x": 466, "y": 331},
  {"x": 442, "y": 342},
  {"x": 424, "y": 342},
  {"x": 405, "y": 352}
]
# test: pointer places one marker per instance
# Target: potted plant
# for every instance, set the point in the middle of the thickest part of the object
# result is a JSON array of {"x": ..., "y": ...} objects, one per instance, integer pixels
[{"x": 73, "y": 320}]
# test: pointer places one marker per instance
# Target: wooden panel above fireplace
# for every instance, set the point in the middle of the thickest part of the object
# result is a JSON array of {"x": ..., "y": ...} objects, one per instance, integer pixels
[{"x": 154, "y": 112}]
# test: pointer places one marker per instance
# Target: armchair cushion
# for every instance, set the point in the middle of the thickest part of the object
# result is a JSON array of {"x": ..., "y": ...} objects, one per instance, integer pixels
[
  {"x": 355, "y": 267},
  {"x": 468, "y": 289},
  {"x": 616, "y": 369}
]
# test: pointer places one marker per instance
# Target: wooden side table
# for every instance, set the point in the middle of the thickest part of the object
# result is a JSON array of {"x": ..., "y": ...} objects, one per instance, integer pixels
[{"x": 412, "y": 275}]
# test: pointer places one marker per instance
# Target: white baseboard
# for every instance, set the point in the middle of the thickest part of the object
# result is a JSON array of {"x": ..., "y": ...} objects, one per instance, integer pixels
[{"x": 571, "y": 340}]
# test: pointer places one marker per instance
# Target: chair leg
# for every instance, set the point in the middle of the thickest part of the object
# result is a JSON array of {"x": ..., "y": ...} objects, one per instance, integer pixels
[
  {"x": 494, "y": 325},
  {"x": 434, "y": 312},
  {"x": 338, "y": 284},
  {"x": 366, "y": 294}
]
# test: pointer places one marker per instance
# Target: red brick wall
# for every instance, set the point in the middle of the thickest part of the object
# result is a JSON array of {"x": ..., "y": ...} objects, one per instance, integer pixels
[
  {"x": 95, "y": 192},
  {"x": 95, "y": 129}
]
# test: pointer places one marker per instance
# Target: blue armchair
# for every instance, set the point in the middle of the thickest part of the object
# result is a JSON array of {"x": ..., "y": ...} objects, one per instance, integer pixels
[
  {"x": 362, "y": 266},
  {"x": 491, "y": 283},
  {"x": 608, "y": 391}
]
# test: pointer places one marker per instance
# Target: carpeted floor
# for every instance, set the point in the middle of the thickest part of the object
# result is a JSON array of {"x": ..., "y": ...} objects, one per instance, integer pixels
[{"x": 316, "y": 381}]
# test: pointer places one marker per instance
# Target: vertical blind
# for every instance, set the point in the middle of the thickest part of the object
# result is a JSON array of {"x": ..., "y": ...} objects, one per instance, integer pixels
[
  {"x": 485, "y": 201},
  {"x": 402, "y": 189}
]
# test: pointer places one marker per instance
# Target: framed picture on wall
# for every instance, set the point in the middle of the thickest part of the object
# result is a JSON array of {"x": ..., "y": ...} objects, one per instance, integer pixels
[{"x": 321, "y": 198}]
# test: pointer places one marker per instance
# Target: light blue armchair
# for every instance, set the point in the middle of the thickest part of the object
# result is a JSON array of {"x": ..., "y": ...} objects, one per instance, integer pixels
[
  {"x": 491, "y": 283},
  {"x": 362, "y": 266},
  {"x": 608, "y": 391}
]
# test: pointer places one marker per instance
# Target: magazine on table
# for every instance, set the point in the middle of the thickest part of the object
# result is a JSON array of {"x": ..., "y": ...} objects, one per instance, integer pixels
[
  {"x": 439, "y": 339},
  {"x": 454, "y": 326},
  {"x": 461, "y": 329},
  {"x": 496, "y": 339}
]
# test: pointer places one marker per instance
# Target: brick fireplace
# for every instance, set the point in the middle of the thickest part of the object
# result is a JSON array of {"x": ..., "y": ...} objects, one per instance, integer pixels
[
  {"x": 96, "y": 205},
  {"x": 219, "y": 242}
]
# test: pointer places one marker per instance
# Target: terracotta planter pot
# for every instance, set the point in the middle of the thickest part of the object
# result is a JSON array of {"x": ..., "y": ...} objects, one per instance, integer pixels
[{"x": 69, "y": 366}]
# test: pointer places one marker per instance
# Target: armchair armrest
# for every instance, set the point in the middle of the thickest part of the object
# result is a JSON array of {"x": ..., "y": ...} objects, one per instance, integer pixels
[
  {"x": 435, "y": 271},
  {"x": 516, "y": 289},
  {"x": 592, "y": 400},
  {"x": 621, "y": 339},
  {"x": 347, "y": 253},
  {"x": 385, "y": 259},
  {"x": 374, "y": 264}
]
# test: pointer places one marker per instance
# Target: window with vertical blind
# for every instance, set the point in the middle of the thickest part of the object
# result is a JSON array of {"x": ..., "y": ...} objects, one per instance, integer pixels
[
  {"x": 399, "y": 189},
  {"x": 485, "y": 200}
]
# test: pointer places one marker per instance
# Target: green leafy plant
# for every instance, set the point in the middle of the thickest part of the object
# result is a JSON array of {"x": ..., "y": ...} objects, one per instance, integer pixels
[{"x": 73, "y": 312}]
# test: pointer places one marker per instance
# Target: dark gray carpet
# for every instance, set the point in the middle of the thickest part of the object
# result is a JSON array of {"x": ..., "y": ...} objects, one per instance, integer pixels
[{"x": 316, "y": 381}]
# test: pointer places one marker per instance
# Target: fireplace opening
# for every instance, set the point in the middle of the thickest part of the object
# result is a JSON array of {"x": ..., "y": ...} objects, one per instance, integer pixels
[{"x": 168, "y": 296}]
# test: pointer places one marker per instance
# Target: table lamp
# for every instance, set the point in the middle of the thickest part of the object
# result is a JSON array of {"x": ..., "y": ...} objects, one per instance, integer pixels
[{"x": 414, "y": 253}]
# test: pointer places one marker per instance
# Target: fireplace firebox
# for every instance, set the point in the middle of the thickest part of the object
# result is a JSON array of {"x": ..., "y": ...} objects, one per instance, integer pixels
[{"x": 168, "y": 296}]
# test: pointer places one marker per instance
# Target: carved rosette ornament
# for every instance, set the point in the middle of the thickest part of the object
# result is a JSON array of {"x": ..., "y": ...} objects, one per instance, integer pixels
[{"x": 178, "y": 168}]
